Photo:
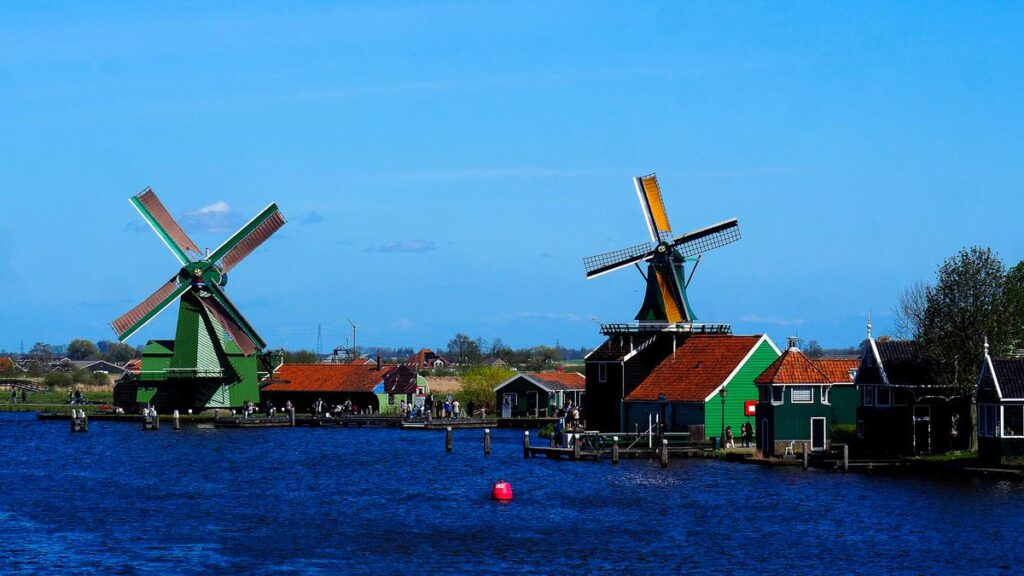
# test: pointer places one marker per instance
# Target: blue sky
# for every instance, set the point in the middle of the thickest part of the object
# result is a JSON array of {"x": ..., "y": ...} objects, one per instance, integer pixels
[{"x": 446, "y": 166}]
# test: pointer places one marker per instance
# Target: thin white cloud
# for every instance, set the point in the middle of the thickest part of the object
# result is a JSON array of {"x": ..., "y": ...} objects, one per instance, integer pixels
[
  {"x": 218, "y": 207},
  {"x": 413, "y": 246},
  {"x": 758, "y": 319},
  {"x": 217, "y": 217}
]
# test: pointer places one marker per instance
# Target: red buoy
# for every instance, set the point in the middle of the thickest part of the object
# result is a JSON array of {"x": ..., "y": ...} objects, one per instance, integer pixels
[{"x": 502, "y": 491}]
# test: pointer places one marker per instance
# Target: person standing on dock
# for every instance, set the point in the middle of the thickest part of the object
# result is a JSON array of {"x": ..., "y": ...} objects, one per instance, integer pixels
[
  {"x": 455, "y": 409},
  {"x": 14, "y": 396},
  {"x": 470, "y": 409}
]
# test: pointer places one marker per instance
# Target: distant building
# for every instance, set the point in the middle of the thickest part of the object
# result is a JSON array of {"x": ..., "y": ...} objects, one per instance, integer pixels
[
  {"x": 401, "y": 383},
  {"x": 800, "y": 399},
  {"x": 94, "y": 366},
  {"x": 427, "y": 359},
  {"x": 1000, "y": 397},
  {"x": 903, "y": 410},
  {"x": 701, "y": 386},
  {"x": 539, "y": 394}
]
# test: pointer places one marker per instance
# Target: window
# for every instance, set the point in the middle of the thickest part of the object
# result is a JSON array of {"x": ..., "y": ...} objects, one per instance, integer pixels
[
  {"x": 391, "y": 399},
  {"x": 988, "y": 420},
  {"x": 1013, "y": 420},
  {"x": 884, "y": 396},
  {"x": 824, "y": 394},
  {"x": 602, "y": 372},
  {"x": 777, "y": 394},
  {"x": 801, "y": 395},
  {"x": 869, "y": 396}
]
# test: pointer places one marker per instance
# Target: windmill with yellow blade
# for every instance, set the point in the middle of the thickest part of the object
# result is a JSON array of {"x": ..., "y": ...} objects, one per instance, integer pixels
[{"x": 665, "y": 301}]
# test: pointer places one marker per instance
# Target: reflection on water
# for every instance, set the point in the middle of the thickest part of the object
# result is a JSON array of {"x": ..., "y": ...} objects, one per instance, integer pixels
[{"x": 372, "y": 501}]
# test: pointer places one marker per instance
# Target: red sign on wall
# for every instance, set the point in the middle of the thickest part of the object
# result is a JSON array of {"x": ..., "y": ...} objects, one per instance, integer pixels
[{"x": 750, "y": 408}]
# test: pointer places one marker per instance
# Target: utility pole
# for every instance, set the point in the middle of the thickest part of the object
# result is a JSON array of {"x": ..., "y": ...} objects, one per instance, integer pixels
[{"x": 355, "y": 350}]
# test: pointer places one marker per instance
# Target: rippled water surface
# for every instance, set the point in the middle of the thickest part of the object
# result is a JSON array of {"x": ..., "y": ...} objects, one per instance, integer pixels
[{"x": 383, "y": 501}]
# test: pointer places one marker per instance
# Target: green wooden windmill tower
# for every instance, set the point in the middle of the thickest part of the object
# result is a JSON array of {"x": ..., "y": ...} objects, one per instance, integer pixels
[{"x": 216, "y": 355}]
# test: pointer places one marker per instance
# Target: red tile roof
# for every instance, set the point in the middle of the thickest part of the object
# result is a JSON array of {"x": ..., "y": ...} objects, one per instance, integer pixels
[
  {"x": 698, "y": 367},
  {"x": 795, "y": 368},
  {"x": 559, "y": 380},
  {"x": 838, "y": 369},
  {"x": 328, "y": 378}
]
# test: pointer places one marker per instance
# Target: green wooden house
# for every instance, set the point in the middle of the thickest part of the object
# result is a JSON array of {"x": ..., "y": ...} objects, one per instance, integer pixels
[
  {"x": 538, "y": 394},
  {"x": 800, "y": 400},
  {"x": 702, "y": 385},
  {"x": 1000, "y": 396}
]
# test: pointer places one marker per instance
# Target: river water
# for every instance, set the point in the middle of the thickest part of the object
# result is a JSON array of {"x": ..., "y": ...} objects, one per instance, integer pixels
[{"x": 383, "y": 501}]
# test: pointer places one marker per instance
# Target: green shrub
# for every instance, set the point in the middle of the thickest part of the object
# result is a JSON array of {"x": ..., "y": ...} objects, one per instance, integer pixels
[{"x": 843, "y": 433}]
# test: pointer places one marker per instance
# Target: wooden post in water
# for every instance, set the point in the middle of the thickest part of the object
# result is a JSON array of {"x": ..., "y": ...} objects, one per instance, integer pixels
[
  {"x": 177, "y": 420},
  {"x": 85, "y": 421},
  {"x": 156, "y": 420},
  {"x": 448, "y": 439},
  {"x": 487, "y": 440},
  {"x": 806, "y": 457},
  {"x": 664, "y": 453},
  {"x": 615, "y": 450},
  {"x": 846, "y": 457},
  {"x": 576, "y": 443},
  {"x": 291, "y": 416},
  {"x": 526, "y": 444},
  {"x": 74, "y": 421}
]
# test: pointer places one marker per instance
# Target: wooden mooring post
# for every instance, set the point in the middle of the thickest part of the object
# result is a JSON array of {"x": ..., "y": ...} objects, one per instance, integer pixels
[
  {"x": 615, "y": 450},
  {"x": 79, "y": 423},
  {"x": 526, "y": 444},
  {"x": 577, "y": 442},
  {"x": 806, "y": 456},
  {"x": 177, "y": 420},
  {"x": 448, "y": 439},
  {"x": 487, "y": 440},
  {"x": 291, "y": 416},
  {"x": 846, "y": 457},
  {"x": 664, "y": 453}
]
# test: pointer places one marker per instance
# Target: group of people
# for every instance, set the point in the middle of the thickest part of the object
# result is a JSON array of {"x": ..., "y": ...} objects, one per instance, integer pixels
[
  {"x": 451, "y": 409},
  {"x": 746, "y": 435},
  {"x": 14, "y": 396},
  {"x": 568, "y": 421},
  {"x": 325, "y": 410},
  {"x": 75, "y": 397}
]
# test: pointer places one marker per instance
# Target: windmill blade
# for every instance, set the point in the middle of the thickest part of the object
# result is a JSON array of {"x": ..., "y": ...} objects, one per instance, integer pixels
[
  {"x": 653, "y": 205},
  {"x": 249, "y": 237},
  {"x": 225, "y": 312},
  {"x": 715, "y": 236},
  {"x": 154, "y": 213},
  {"x": 604, "y": 263},
  {"x": 130, "y": 322}
]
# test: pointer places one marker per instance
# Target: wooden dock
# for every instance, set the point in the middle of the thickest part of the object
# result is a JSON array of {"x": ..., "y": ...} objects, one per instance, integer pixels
[{"x": 444, "y": 424}]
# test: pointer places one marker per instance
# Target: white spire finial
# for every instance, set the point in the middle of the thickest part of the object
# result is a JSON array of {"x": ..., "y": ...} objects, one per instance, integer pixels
[
  {"x": 869, "y": 324},
  {"x": 986, "y": 345}
]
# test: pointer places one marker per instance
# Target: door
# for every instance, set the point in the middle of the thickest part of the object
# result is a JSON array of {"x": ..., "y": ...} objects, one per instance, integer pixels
[
  {"x": 922, "y": 429},
  {"x": 767, "y": 445},
  {"x": 531, "y": 403},
  {"x": 508, "y": 400},
  {"x": 818, "y": 439}
]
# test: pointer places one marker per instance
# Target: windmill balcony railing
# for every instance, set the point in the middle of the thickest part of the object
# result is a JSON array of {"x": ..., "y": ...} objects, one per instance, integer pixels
[
  {"x": 682, "y": 327},
  {"x": 190, "y": 373}
]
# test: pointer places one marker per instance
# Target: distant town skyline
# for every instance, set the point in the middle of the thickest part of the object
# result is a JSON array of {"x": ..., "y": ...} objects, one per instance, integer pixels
[{"x": 446, "y": 168}]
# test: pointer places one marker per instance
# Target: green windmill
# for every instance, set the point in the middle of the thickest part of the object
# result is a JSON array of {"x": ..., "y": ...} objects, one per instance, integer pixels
[{"x": 214, "y": 359}]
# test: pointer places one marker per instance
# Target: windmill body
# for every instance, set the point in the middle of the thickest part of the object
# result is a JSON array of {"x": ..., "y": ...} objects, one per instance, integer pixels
[
  {"x": 215, "y": 358},
  {"x": 665, "y": 304}
]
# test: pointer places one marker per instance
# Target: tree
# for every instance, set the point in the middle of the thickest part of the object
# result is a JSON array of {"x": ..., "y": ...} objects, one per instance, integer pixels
[
  {"x": 300, "y": 357},
  {"x": 478, "y": 384},
  {"x": 463, "y": 350},
  {"x": 40, "y": 352},
  {"x": 498, "y": 349},
  {"x": 908, "y": 316},
  {"x": 966, "y": 307},
  {"x": 813, "y": 350},
  {"x": 120, "y": 353},
  {"x": 1013, "y": 295},
  {"x": 82, "y": 349}
]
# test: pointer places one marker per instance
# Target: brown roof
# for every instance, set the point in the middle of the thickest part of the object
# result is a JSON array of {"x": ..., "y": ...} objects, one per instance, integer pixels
[
  {"x": 556, "y": 381},
  {"x": 795, "y": 368},
  {"x": 697, "y": 368},
  {"x": 328, "y": 377}
]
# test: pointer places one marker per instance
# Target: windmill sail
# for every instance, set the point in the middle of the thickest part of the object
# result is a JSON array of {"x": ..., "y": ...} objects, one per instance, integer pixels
[
  {"x": 709, "y": 238},
  {"x": 249, "y": 237},
  {"x": 604, "y": 263},
  {"x": 138, "y": 316},
  {"x": 154, "y": 212},
  {"x": 653, "y": 207},
  {"x": 233, "y": 328}
]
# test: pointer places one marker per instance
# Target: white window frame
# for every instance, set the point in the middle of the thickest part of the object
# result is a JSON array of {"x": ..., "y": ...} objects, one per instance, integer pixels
[
  {"x": 824, "y": 394},
  {"x": 810, "y": 394},
  {"x": 868, "y": 396},
  {"x": 782, "y": 395},
  {"x": 878, "y": 401},
  {"x": 1002, "y": 420},
  {"x": 602, "y": 372}
]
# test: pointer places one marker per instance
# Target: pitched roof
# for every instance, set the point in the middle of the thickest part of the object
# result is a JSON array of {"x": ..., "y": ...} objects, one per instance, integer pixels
[
  {"x": 1010, "y": 375},
  {"x": 838, "y": 370},
  {"x": 401, "y": 380},
  {"x": 903, "y": 362},
  {"x": 558, "y": 381},
  {"x": 792, "y": 368},
  {"x": 328, "y": 378},
  {"x": 697, "y": 368},
  {"x": 616, "y": 348},
  {"x": 425, "y": 358}
]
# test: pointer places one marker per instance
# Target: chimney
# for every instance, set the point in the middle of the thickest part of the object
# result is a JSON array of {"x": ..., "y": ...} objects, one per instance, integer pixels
[
  {"x": 792, "y": 343},
  {"x": 378, "y": 360}
]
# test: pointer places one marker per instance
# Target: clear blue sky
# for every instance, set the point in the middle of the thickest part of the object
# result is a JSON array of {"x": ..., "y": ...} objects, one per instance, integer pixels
[{"x": 446, "y": 167}]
